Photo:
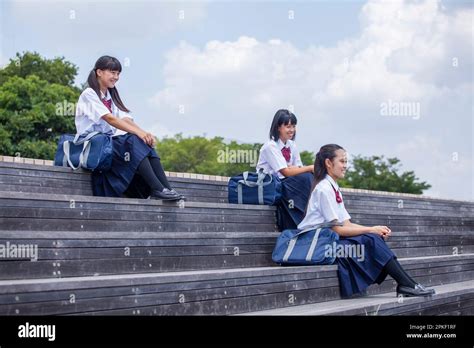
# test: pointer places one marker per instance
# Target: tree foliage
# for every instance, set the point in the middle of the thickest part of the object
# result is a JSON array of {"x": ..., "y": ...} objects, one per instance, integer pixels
[
  {"x": 382, "y": 174},
  {"x": 34, "y": 93}
]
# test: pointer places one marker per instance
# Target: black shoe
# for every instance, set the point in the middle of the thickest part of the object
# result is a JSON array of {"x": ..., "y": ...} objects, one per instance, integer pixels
[
  {"x": 418, "y": 290},
  {"x": 178, "y": 194},
  {"x": 165, "y": 195}
]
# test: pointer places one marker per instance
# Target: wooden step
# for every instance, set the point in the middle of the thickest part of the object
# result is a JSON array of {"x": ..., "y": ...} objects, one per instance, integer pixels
[
  {"x": 47, "y": 212},
  {"x": 207, "y": 292},
  {"x": 73, "y": 254},
  {"x": 450, "y": 299},
  {"x": 36, "y": 211},
  {"x": 29, "y": 178}
]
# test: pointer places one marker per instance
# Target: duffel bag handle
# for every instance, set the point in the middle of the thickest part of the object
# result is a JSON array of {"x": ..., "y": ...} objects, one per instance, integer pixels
[
  {"x": 259, "y": 184},
  {"x": 260, "y": 179},
  {"x": 82, "y": 157}
]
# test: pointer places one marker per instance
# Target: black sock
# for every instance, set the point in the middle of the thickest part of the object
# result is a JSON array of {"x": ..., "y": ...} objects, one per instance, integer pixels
[
  {"x": 147, "y": 173},
  {"x": 396, "y": 271},
  {"x": 159, "y": 172}
]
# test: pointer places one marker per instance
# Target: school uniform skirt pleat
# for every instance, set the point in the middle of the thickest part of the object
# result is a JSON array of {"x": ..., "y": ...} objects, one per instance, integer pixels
[
  {"x": 128, "y": 152},
  {"x": 295, "y": 195},
  {"x": 357, "y": 273}
]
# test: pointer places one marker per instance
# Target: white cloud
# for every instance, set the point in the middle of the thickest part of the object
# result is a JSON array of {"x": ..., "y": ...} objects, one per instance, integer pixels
[
  {"x": 445, "y": 166},
  {"x": 405, "y": 53}
]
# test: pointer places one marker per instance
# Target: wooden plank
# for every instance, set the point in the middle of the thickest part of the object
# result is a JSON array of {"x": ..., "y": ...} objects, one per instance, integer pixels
[
  {"x": 423, "y": 262},
  {"x": 90, "y": 215},
  {"x": 171, "y": 250},
  {"x": 290, "y": 278},
  {"x": 57, "y": 235},
  {"x": 40, "y": 291},
  {"x": 97, "y": 267},
  {"x": 198, "y": 239},
  {"x": 228, "y": 301},
  {"x": 125, "y": 226},
  {"x": 38, "y": 197},
  {"x": 144, "y": 206}
]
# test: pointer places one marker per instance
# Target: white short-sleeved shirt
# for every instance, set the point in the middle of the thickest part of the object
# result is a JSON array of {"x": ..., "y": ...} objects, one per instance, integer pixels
[
  {"x": 271, "y": 160},
  {"x": 323, "y": 206},
  {"x": 89, "y": 112}
]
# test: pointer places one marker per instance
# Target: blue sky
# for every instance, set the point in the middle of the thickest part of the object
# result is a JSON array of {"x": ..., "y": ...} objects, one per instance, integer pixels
[{"x": 231, "y": 65}]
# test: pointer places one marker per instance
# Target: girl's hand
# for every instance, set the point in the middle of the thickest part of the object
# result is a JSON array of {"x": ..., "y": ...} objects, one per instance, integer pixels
[
  {"x": 310, "y": 168},
  {"x": 382, "y": 231},
  {"x": 147, "y": 138},
  {"x": 153, "y": 140},
  {"x": 387, "y": 234}
]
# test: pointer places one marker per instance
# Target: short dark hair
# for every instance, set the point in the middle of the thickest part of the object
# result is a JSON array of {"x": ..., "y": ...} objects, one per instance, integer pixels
[{"x": 285, "y": 117}]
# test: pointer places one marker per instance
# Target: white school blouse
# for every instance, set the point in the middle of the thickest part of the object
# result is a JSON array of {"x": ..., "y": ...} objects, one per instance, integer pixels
[
  {"x": 89, "y": 112},
  {"x": 271, "y": 159},
  {"x": 322, "y": 205}
]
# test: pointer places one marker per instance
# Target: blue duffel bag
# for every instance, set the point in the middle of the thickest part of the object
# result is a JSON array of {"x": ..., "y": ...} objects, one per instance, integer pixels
[
  {"x": 254, "y": 188},
  {"x": 312, "y": 246},
  {"x": 92, "y": 152}
]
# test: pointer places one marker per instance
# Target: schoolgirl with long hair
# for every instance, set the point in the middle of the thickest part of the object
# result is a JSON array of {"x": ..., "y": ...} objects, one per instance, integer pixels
[
  {"x": 355, "y": 272},
  {"x": 136, "y": 168}
]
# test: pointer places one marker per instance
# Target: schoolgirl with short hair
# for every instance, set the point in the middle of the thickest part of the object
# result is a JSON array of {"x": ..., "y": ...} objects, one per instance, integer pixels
[
  {"x": 280, "y": 156},
  {"x": 326, "y": 205},
  {"x": 101, "y": 109}
]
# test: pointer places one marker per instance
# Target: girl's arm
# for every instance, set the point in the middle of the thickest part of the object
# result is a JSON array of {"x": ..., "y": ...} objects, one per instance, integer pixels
[
  {"x": 348, "y": 229},
  {"x": 127, "y": 125},
  {"x": 292, "y": 170}
]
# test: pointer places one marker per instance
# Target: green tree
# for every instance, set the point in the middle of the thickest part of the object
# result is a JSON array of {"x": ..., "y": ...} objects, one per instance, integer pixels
[
  {"x": 37, "y": 99},
  {"x": 381, "y": 174},
  {"x": 237, "y": 158},
  {"x": 56, "y": 70},
  {"x": 307, "y": 157},
  {"x": 189, "y": 155},
  {"x": 213, "y": 156}
]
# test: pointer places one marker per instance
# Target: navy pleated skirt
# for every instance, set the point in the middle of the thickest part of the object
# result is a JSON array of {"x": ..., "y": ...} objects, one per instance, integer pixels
[
  {"x": 356, "y": 274},
  {"x": 129, "y": 151},
  {"x": 296, "y": 191}
]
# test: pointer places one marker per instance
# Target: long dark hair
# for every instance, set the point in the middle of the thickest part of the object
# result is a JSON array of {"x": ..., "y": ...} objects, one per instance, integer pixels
[
  {"x": 285, "y": 117},
  {"x": 325, "y": 152},
  {"x": 106, "y": 63}
]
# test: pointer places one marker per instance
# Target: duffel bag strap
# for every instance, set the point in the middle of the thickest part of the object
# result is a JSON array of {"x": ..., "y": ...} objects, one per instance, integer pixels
[
  {"x": 239, "y": 193},
  {"x": 85, "y": 153},
  {"x": 314, "y": 242},
  {"x": 311, "y": 249},
  {"x": 322, "y": 225}
]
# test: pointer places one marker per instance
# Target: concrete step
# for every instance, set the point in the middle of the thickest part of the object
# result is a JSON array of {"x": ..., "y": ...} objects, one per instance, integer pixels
[
  {"x": 207, "y": 292},
  {"x": 450, "y": 299}
]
